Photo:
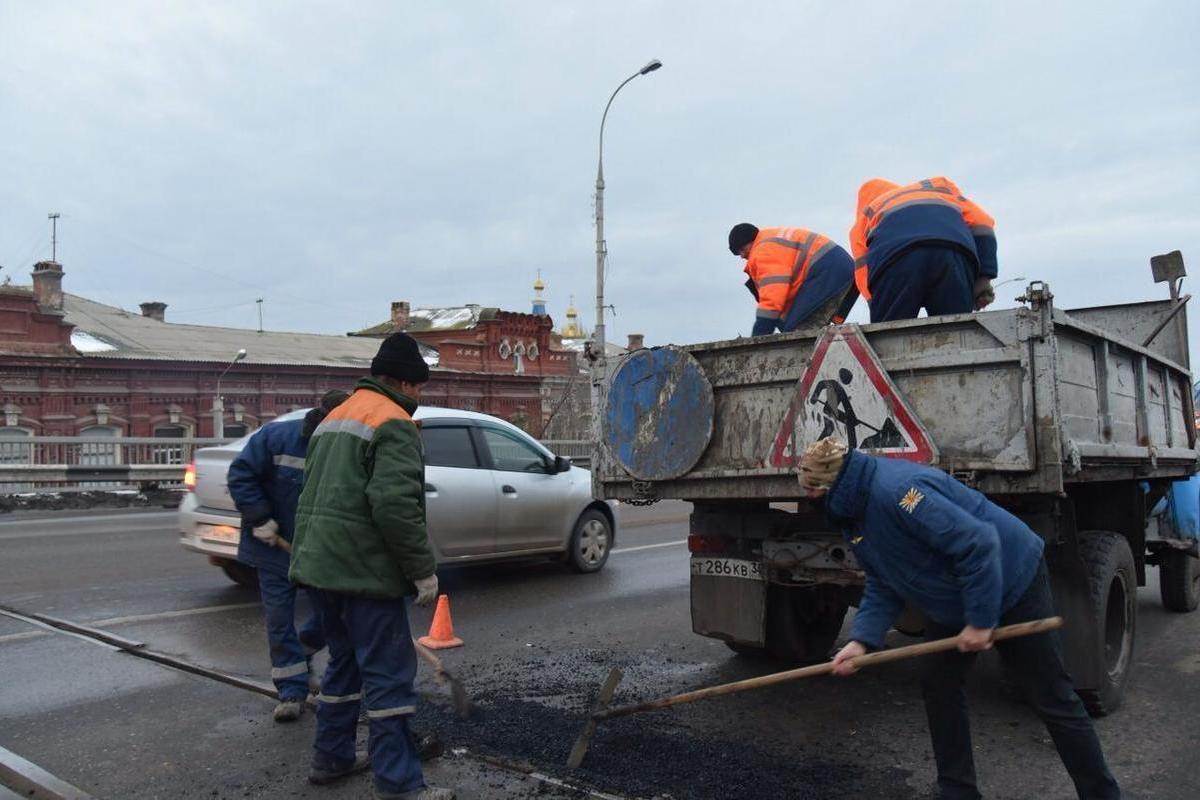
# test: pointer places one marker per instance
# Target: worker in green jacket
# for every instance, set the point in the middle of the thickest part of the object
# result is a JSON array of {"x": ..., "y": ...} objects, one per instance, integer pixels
[{"x": 361, "y": 542}]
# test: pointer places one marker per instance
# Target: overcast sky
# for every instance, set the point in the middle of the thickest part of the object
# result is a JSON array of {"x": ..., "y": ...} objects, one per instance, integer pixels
[{"x": 333, "y": 157}]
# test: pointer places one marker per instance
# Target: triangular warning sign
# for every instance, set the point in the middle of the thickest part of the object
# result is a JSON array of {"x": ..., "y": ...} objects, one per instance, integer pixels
[{"x": 845, "y": 393}]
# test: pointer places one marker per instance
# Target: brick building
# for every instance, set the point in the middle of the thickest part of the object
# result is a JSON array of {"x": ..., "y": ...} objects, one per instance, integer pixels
[
  {"x": 490, "y": 341},
  {"x": 71, "y": 366}
]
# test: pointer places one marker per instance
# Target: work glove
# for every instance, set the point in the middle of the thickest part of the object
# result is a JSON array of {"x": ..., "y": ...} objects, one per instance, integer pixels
[
  {"x": 427, "y": 589},
  {"x": 267, "y": 532},
  {"x": 984, "y": 294}
]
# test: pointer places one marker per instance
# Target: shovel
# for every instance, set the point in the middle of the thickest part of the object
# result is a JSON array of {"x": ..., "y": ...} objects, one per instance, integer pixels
[
  {"x": 601, "y": 711},
  {"x": 458, "y": 693}
]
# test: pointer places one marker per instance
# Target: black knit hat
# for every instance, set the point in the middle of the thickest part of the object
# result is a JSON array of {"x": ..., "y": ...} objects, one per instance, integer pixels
[
  {"x": 741, "y": 235},
  {"x": 400, "y": 358}
]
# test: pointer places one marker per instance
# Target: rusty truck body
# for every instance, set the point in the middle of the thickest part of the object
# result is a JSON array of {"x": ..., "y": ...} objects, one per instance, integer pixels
[{"x": 1079, "y": 422}]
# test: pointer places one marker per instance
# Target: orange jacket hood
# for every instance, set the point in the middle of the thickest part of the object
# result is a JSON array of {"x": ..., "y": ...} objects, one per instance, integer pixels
[{"x": 872, "y": 189}]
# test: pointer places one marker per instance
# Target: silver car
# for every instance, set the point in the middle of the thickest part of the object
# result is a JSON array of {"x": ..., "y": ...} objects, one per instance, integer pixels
[{"x": 492, "y": 492}]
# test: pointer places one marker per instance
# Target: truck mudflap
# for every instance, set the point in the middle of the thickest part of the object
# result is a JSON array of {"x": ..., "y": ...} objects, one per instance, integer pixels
[{"x": 729, "y": 599}]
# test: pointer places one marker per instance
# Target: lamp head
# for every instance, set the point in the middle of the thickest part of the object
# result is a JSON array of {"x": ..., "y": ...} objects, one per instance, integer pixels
[
  {"x": 240, "y": 354},
  {"x": 653, "y": 65}
]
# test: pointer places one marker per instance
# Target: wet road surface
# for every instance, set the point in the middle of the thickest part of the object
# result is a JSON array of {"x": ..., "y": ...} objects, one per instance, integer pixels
[{"x": 539, "y": 640}]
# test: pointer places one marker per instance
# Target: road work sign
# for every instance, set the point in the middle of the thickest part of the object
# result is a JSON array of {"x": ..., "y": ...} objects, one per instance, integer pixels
[{"x": 846, "y": 393}]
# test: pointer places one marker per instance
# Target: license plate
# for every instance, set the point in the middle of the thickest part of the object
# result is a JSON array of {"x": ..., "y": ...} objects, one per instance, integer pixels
[
  {"x": 226, "y": 534},
  {"x": 727, "y": 568}
]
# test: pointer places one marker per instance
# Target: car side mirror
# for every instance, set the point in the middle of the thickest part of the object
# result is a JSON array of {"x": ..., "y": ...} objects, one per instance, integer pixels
[{"x": 562, "y": 464}]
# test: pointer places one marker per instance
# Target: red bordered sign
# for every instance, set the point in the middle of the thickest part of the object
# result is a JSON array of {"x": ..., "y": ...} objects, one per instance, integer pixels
[{"x": 846, "y": 393}]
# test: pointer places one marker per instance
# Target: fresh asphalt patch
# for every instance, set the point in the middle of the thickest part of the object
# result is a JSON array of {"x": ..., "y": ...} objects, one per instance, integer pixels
[{"x": 648, "y": 755}]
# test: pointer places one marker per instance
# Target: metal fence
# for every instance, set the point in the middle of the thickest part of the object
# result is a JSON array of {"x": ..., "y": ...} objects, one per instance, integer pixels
[
  {"x": 30, "y": 463},
  {"x": 578, "y": 450}
]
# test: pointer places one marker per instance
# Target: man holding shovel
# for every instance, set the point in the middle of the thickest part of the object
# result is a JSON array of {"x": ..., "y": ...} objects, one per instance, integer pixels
[
  {"x": 361, "y": 542},
  {"x": 924, "y": 538},
  {"x": 264, "y": 482}
]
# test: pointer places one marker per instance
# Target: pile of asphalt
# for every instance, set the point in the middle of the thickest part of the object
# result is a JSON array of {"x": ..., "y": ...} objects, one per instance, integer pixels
[{"x": 654, "y": 755}]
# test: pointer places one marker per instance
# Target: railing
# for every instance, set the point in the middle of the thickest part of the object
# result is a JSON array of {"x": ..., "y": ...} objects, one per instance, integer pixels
[
  {"x": 578, "y": 450},
  {"x": 39, "y": 462},
  {"x": 36, "y": 462}
]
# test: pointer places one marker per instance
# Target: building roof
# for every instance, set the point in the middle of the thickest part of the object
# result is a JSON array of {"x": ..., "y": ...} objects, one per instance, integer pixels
[
  {"x": 450, "y": 318},
  {"x": 578, "y": 345},
  {"x": 103, "y": 331}
]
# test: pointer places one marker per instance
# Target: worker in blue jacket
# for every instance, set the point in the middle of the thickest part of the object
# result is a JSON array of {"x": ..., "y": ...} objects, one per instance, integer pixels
[
  {"x": 925, "y": 539},
  {"x": 264, "y": 482}
]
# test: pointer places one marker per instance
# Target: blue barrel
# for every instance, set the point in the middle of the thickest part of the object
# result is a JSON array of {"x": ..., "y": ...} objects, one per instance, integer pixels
[
  {"x": 1185, "y": 508},
  {"x": 660, "y": 414}
]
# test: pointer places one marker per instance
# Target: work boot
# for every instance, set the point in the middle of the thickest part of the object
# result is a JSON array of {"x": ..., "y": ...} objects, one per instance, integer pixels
[
  {"x": 428, "y": 746},
  {"x": 424, "y": 793},
  {"x": 322, "y": 775},
  {"x": 288, "y": 711}
]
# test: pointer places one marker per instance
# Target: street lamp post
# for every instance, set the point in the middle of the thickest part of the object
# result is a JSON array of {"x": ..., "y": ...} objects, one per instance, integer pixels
[
  {"x": 219, "y": 402},
  {"x": 601, "y": 252}
]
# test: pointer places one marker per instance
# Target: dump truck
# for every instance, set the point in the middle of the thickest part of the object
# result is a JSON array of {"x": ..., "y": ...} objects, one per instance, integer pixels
[{"x": 1079, "y": 422}]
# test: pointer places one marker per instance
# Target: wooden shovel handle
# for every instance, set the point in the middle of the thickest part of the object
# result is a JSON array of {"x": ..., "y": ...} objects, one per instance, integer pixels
[
  {"x": 867, "y": 660},
  {"x": 432, "y": 660}
]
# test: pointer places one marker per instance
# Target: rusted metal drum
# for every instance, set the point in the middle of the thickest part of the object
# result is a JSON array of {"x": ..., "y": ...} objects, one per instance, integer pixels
[{"x": 660, "y": 413}]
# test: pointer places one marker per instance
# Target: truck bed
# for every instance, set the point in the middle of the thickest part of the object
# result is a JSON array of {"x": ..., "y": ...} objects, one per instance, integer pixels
[{"x": 1014, "y": 401}]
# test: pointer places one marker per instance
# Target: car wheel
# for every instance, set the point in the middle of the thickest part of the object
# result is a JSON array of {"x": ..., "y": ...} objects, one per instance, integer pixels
[
  {"x": 591, "y": 542},
  {"x": 241, "y": 574}
]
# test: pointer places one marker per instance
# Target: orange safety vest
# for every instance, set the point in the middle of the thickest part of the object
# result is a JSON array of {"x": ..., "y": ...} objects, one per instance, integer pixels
[
  {"x": 779, "y": 263},
  {"x": 877, "y": 198}
]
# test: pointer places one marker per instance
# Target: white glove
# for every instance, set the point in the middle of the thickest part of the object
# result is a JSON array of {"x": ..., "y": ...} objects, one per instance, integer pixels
[
  {"x": 984, "y": 294},
  {"x": 427, "y": 590},
  {"x": 267, "y": 532}
]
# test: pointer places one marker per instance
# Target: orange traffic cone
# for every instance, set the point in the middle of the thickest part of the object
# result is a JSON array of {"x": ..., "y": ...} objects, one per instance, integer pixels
[{"x": 441, "y": 630}]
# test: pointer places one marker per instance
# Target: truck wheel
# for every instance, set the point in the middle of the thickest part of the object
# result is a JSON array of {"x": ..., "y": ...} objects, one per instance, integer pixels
[
  {"x": 1179, "y": 581},
  {"x": 1112, "y": 582},
  {"x": 590, "y": 542},
  {"x": 802, "y": 625},
  {"x": 241, "y": 574}
]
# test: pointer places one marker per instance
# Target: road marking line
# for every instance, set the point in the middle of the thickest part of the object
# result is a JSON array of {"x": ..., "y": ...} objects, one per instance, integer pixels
[
  {"x": 648, "y": 546},
  {"x": 32, "y": 781},
  {"x": 49, "y": 629},
  {"x": 650, "y": 522},
  {"x": 187, "y": 612}
]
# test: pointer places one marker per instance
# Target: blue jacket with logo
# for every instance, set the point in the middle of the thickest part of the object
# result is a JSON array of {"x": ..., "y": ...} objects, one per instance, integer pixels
[
  {"x": 264, "y": 482},
  {"x": 924, "y": 538}
]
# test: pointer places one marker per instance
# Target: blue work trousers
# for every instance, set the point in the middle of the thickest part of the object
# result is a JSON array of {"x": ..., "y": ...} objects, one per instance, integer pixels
[
  {"x": 937, "y": 277},
  {"x": 289, "y": 649},
  {"x": 370, "y": 653},
  {"x": 1037, "y": 662}
]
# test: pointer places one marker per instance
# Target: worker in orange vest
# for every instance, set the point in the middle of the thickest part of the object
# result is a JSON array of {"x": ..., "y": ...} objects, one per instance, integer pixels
[
  {"x": 798, "y": 277},
  {"x": 924, "y": 245}
]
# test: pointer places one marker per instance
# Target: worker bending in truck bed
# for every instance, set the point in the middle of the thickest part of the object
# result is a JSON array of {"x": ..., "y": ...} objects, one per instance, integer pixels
[
  {"x": 924, "y": 538},
  {"x": 799, "y": 277},
  {"x": 924, "y": 245},
  {"x": 264, "y": 483}
]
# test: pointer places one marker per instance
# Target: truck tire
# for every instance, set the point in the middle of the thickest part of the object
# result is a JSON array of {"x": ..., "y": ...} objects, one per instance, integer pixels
[
  {"x": 241, "y": 574},
  {"x": 1179, "y": 581},
  {"x": 1112, "y": 583},
  {"x": 802, "y": 625}
]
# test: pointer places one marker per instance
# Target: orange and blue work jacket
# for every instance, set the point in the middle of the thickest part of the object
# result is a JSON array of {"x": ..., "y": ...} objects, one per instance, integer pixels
[
  {"x": 793, "y": 272},
  {"x": 892, "y": 219}
]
